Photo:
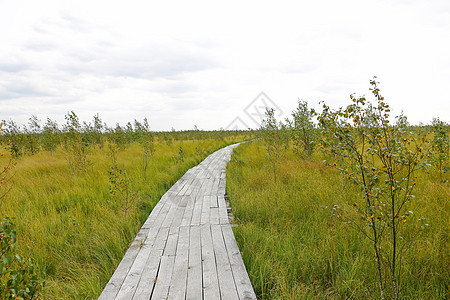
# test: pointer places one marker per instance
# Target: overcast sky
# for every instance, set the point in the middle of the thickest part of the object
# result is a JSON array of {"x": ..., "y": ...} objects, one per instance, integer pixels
[{"x": 187, "y": 63}]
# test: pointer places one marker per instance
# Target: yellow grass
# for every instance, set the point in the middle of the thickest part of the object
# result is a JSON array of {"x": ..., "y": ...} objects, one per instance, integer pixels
[{"x": 77, "y": 236}]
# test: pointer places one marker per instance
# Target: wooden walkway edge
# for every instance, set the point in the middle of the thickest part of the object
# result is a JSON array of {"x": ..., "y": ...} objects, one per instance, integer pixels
[{"x": 186, "y": 249}]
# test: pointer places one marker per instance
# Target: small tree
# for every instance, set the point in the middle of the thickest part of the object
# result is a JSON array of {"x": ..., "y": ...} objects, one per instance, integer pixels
[
  {"x": 146, "y": 140},
  {"x": 303, "y": 129},
  {"x": 87, "y": 134},
  {"x": 179, "y": 156},
  {"x": 117, "y": 136},
  {"x": 130, "y": 134},
  {"x": 97, "y": 131},
  {"x": 439, "y": 156},
  {"x": 167, "y": 138},
  {"x": 50, "y": 136},
  {"x": 32, "y": 135},
  {"x": 16, "y": 139},
  {"x": 401, "y": 123},
  {"x": 76, "y": 145},
  {"x": 120, "y": 188},
  {"x": 381, "y": 160},
  {"x": 274, "y": 136}
]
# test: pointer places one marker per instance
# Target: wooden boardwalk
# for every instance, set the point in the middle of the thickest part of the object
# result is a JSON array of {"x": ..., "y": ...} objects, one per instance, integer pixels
[{"x": 186, "y": 249}]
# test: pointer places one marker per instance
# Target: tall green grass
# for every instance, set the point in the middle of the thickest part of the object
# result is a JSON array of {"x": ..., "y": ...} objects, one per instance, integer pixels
[
  {"x": 77, "y": 236},
  {"x": 294, "y": 248}
]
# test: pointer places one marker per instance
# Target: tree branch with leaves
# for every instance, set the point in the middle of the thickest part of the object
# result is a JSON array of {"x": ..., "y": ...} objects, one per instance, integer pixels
[{"x": 381, "y": 159}]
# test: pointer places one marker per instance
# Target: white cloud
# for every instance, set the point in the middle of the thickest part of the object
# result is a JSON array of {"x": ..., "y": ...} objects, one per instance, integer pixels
[{"x": 186, "y": 63}]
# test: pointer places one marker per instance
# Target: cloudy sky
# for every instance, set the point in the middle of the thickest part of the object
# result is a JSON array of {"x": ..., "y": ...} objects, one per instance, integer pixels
[{"x": 187, "y": 63}]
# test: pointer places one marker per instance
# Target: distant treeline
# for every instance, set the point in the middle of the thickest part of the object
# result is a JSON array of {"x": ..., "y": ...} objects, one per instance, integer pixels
[{"x": 37, "y": 136}]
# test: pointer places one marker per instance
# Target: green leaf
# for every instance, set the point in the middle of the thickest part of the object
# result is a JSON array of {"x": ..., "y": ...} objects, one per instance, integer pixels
[
  {"x": 7, "y": 259},
  {"x": 19, "y": 258}
]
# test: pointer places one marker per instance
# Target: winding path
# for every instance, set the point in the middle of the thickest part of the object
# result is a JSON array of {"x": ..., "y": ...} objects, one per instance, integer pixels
[{"x": 186, "y": 249}]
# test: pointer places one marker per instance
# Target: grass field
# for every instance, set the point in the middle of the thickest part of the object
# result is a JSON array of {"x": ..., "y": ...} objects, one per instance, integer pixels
[
  {"x": 76, "y": 233},
  {"x": 292, "y": 245},
  {"x": 294, "y": 248}
]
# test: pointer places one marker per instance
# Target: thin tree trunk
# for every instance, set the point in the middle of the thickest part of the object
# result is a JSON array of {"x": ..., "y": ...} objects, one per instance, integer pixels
[
  {"x": 377, "y": 254},
  {"x": 394, "y": 250}
]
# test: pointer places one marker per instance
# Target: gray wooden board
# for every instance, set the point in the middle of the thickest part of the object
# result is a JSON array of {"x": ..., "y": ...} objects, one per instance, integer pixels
[
  {"x": 214, "y": 215},
  {"x": 194, "y": 281},
  {"x": 160, "y": 217},
  {"x": 186, "y": 248},
  {"x": 170, "y": 214},
  {"x": 205, "y": 209},
  {"x": 178, "y": 216},
  {"x": 115, "y": 283},
  {"x": 226, "y": 280},
  {"x": 223, "y": 214},
  {"x": 155, "y": 211},
  {"x": 132, "y": 279},
  {"x": 177, "y": 289},
  {"x": 221, "y": 189},
  {"x": 209, "y": 186},
  {"x": 242, "y": 281},
  {"x": 172, "y": 241},
  {"x": 213, "y": 200},
  {"x": 187, "y": 216},
  {"x": 163, "y": 280},
  {"x": 150, "y": 272},
  {"x": 197, "y": 211},
  {"x": 209, "y": 269}
]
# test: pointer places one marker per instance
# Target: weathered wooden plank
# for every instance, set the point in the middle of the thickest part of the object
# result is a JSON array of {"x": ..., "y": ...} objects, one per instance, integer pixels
[
  {"x": 181, "y": 204},
  {"x": 152, "y": 217},
  {"x": 176, "y": 188},
  {"x": 196, "y": 185},
  {"x": 205, "y": 209},
  {"x": 201, "y": 171},
  {"x": 194, "y": 281},
  {"x": 187, "y": 216},
  {"x": 115, "y": 283},
  {"x": 226, "y": 280},
  {"x": 209, "y": 269},
  {"x": 149, "y": 274},
  {"x": 243, "y": 285},
  {"x": 223, "y": 214},
  {"x": 162, "y": 214},
  {"x": 222, "y": 187},
  {"x": 189, "y": 189},
  {"x": 203, "y": 186},
  {"x": 209, "y": 186},
  {"x": 164, "y": 275},
  {"x": 131, "y": 281},
  {"x": 171, "y": 213},
  {"x": 214, "y": 215},
  {"x": 213, "y": 200},
  {"x": 187, "y": 186},
  {"x": 208, "y": 174},
  {"x": 172, "y": 241},
  {"x": 221, "y": 201},
  {"x": 197, "y": 211},
  {"x": 177, "y": 289},
  {"x": 178, "y": 216}
]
